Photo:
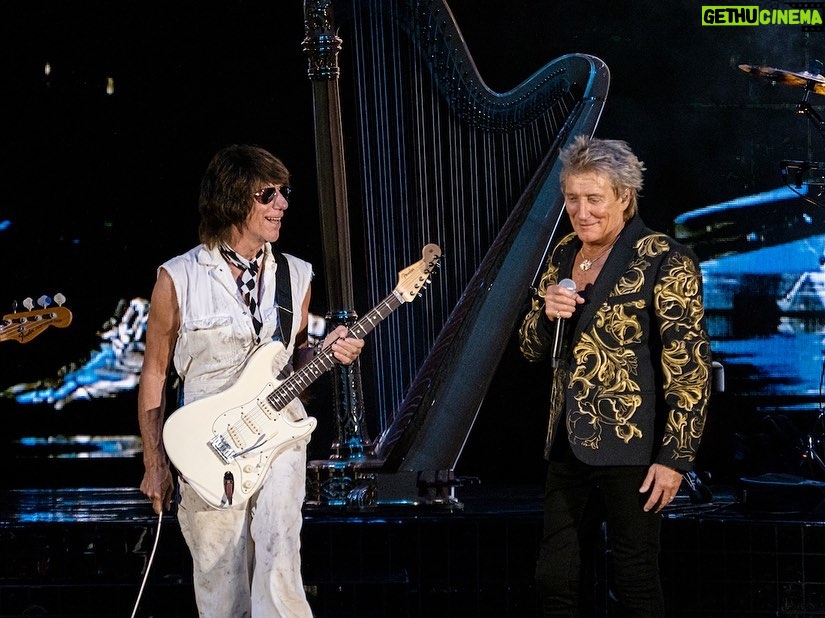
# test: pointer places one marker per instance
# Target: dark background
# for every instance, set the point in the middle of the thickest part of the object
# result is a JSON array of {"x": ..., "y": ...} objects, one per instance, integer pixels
[{"x": 100, "y": 189}]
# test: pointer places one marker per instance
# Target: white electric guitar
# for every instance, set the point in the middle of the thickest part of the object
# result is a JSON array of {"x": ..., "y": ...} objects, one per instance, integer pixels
[{"x": 223, "y": 445}]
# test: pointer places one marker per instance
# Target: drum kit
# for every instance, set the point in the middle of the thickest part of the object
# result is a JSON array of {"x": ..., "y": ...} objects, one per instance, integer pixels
[{"x": 813, "y": 82}]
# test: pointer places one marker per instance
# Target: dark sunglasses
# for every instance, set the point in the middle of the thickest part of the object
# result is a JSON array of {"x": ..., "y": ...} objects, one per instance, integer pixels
[{"x": 266, "y": 196}]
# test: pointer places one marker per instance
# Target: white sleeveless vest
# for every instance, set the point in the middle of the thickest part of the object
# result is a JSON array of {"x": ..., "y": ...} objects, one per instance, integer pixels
[{"x": 216, "y": 336}]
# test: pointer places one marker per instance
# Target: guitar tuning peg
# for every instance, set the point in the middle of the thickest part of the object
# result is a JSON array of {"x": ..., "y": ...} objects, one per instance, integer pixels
[
  {"x": 14, "y": 306},
  {"x": 28, "y": 303},
  {"x": 44, "y": 301},
  {"x": 59, "y": 299}
]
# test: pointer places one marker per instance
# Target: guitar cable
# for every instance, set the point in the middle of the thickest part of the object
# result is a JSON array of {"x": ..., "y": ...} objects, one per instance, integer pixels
[{"x": 148, "y": 565}]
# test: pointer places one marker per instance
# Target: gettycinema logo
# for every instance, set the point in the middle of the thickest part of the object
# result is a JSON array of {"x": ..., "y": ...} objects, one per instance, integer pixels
[{"x": 807, "y": 15}]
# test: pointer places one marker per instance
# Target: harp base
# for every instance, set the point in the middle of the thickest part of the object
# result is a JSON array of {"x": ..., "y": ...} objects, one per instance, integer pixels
[
  {"x": 362, "y": 485},
  {"x": 340, "y": 484}
]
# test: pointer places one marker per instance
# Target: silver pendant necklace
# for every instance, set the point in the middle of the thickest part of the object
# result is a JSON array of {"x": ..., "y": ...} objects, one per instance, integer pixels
[{"x": 588, "y": 264}]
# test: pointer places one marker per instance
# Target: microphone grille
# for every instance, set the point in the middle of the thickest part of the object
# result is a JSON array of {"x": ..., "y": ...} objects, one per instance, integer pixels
[{"x": 568, "y": 284}]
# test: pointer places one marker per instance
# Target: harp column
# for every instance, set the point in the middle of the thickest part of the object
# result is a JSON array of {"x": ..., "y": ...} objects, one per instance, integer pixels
[{"x": 322, "y": 45}]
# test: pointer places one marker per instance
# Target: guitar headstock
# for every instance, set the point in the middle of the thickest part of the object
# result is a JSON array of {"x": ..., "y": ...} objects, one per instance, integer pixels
[
  {"x": 415, "y": 277},
  {"x": 23, "y": 326}
]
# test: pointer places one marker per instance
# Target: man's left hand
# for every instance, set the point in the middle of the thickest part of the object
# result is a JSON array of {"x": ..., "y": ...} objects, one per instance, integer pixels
[
  {"x": 345, "y": 349},
  {"x": 663, "y": 483}
]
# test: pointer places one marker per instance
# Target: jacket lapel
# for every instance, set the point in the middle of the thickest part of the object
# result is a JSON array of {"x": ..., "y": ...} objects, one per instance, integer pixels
[{"x": 620, "y": 257}]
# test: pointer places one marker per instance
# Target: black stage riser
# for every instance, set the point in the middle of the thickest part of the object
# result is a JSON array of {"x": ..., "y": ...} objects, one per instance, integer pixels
[{"x": 82, "y": 553}]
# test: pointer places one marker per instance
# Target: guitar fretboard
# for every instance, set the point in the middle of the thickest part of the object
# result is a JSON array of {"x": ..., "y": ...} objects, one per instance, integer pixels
[{"x": 299, "y": 381}]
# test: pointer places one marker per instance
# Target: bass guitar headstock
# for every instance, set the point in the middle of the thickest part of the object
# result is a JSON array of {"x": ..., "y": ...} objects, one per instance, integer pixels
[{"x": 23, "y": 326}]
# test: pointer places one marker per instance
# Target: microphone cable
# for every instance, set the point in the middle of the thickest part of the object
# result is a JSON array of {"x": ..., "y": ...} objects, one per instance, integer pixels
[{"x": 148, "y": 565}]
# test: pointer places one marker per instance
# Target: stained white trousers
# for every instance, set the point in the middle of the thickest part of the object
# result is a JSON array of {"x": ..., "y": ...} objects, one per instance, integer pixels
[{"x": 259, "y": 540}]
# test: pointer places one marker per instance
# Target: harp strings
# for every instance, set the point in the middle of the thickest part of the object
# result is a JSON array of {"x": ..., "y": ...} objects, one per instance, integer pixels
[
  {"x": 426, "y": 175},
  {"x": 390, "y": 197}
]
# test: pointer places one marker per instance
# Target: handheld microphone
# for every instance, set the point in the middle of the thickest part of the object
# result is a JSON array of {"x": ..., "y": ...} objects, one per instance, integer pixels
[{"x": 558, "y": 336}]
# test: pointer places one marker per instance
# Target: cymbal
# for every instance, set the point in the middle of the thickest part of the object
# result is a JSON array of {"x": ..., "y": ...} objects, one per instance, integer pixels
[{"x": 813, "y": 81}]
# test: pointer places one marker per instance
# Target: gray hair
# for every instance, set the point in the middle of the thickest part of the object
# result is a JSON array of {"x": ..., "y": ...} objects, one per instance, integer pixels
[{"x": 609, "y": 157}]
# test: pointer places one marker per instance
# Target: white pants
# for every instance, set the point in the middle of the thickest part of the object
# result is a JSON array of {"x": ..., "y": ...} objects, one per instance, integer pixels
[{"x": 258, "y": 539}]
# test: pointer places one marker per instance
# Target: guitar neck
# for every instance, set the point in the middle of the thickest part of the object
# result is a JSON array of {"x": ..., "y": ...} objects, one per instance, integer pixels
[
  {"x": 299, "y": 381},
  {"x": 376, "y": 315}
]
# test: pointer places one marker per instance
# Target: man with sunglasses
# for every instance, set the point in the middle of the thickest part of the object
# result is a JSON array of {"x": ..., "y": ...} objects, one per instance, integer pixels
[{"x": 211, "y": 309}]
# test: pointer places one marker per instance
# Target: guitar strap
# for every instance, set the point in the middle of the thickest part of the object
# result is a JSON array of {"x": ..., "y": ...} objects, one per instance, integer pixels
[{"x": 283, "y": 296}]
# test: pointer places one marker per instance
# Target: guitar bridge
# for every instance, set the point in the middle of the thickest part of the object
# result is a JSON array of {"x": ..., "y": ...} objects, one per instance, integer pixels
[{"x": 222, "y": 448}]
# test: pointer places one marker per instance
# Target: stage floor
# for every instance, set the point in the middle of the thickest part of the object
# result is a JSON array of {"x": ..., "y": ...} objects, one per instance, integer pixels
[{"x": 85, "y": 552}]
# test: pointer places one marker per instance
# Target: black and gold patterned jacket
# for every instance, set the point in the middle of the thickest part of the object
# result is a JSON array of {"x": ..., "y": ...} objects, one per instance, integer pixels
[{"x": 636, "y": 379}]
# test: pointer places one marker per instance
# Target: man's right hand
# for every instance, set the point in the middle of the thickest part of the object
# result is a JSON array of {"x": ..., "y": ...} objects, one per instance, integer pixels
[{"x": 158, "y": 486}]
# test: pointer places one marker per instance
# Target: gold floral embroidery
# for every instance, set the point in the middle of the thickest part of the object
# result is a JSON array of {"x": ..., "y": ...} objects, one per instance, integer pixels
[
  {"x": 605, "y": 372},
  {"x": 633, "y": 280},
  {"x": 684, "y": 360}
]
